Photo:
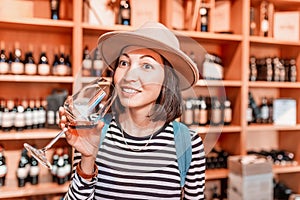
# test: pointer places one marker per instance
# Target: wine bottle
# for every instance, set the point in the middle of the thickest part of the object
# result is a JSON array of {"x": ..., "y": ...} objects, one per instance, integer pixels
[
  {"x": 68, "y": 65},
  {"x": 252, "y": 21},
  {"x": 4, "y": 66},
  {"x": 62, "y": 68},
  {"x": 54, "y": 167},
  {"x": 35, "y": 114},
  {"x": 98, "y": 65},
  {"x": 203, "y": 18},
  {"x": 270, "y": 106},
  {"x": 264, "y": 23},
  {"x": 54, "y": 5},
  {"x": 203, "y": 118},
  {"x": 42, "y": 113},
  {"x": 28, "y": 114},
  {"x": 255, "y": 108},
  {"x": 216, "y": 112},
  {"x": 293, "y": 70},
  {"x": 43, "y": 66},
  {"x": 264, "y": 110},
  {"x": 7, "y": 116},
  {"x": 17, "y": 65},
  {"x": 61, "y": 171},
  {"x": 253, "y": 69},
  {"x": 87, "y": 62},
  {"x": 30, "y": 65},
  {"x": 124, "y": 12},
  {"x": 34, "y": 171},
  {"x": 68, "y": 166},
  {"x": 188, "y": 113},
  {"x": 196, "y": 111},
  {"x": 227, "y": 111},
  {"x": 249, "y": 113},
  {"x": 55, "y": 64},
  {"x": 23, "y": 169},
  {"x": 19, "y": 117},
  {"x": 3, "y": 167}
]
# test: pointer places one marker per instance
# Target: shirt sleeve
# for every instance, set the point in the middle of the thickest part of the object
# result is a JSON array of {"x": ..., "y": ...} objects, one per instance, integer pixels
[
  {"x": 195, "y": 179},
  {"x": 79, "y": 187}
]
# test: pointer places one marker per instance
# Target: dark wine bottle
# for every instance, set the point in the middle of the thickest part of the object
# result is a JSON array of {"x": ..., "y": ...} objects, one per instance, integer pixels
[
  {"x": 30, "y": 65},
  {"x": 4, "y": 66},
  {"x": 54, "y": 5},
  {"x": 3, "y": 167},
  {"x": 43, "y": 66},
  {"x": 28, "y": 114},
  {"x": 124, "y": 12},
  {"x": 17, "y": 65},
  {"x": 264, "y": 110},
  {"x": 203, "y": 18},
  {"x": 23, "y": 169},
  {"x": 19, "y": 121},
  {"x": 8, "y": 116},
  {"x": 34, "y": 171},
  {"x": 87, "y": 62},
  {"x": 98, "y": 65}
]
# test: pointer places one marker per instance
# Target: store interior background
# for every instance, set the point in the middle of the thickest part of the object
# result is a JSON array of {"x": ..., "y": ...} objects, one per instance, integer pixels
[{"x": 253, "y": 48}]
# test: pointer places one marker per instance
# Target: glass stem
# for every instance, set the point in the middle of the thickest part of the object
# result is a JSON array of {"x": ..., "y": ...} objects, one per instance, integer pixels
[{"x": 49, "y": 145}]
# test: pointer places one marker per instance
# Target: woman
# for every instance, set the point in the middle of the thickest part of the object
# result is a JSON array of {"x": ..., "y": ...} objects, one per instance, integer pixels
[{"x": 138, "y": 158}]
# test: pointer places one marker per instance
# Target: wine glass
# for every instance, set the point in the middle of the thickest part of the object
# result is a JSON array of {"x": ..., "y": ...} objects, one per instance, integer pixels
[{"x": 83, "y": 109}]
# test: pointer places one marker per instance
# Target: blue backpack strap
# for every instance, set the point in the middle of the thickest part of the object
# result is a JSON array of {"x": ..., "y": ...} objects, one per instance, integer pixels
[
  {"x": 107, "y": 118},
  {"x": 183, "y": 145}
]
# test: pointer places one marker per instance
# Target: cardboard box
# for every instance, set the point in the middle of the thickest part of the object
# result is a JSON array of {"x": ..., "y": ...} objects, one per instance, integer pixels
[
  {"x": 221, "y": 17},
  {"x": 16, "y": 9},
  {"x": 258, "y": 187},
  {"x": 262, "y": 166},
  {"x": 284, "y": 111},
  {"x": 286, "y": 25},
  {"x": 98, "y": 13},
  {"x": 250, "y": 177},
  {"x": 141, "y": 11}
]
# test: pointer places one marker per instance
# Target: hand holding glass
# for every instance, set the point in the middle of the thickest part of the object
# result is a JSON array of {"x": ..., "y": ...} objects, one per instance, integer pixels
[{"x": 84, "y": 109}]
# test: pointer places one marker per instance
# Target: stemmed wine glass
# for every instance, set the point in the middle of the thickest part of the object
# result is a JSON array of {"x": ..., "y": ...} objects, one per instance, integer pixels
[{"x": 83, "y": 109}]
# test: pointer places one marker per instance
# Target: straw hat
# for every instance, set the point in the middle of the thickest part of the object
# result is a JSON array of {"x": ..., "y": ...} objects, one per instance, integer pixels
[{"x": 155, "y": 36}]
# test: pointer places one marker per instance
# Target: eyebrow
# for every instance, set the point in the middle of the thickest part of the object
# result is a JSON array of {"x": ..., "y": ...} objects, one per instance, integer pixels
[{"x": 143, "y": 56}]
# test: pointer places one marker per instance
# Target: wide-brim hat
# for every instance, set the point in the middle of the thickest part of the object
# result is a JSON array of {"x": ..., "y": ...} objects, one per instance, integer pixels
[{"x": 155, "y": 36}]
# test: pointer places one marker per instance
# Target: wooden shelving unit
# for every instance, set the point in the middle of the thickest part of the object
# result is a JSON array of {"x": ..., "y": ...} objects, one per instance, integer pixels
[{"x": 234, "y": 49}]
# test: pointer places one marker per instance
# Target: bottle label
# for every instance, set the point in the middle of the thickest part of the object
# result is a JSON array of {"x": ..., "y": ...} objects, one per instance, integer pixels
[
  {"x": 216, "y": 116},
  {"x": 203, "y": 117},
  {"x": 188, "y": 117},
  {"x": 22, "y": 172},
  {"x": 196, "y": 115},
  {"x": 61, "y": 70},
  {"x": 42, "y": 116},
  {"x": 98, "y": 64},
  {"x": 4, "y": 68},
  {"x": 35, "y": 117},
  {"x": 44, "y": 69},
  {"x": 87, "y": 64},
  {"x": 264, "y": 25},
  {"x": 17, "y": 68},
  {"x": 249, "y": 114},
  {"x": 265, "y": 112},
  {"x": 3, "y": 170},
  {"x": 227, "y": 115},
  {"x": 50, "y": 117},
  {"x": 7, "y": 120},
  {"x": 125, "y": 14},
  {"x": 30, "y": 69},
  {"x": 34, "y": 170},
  {"x": 28, "y": 118},
  {"x": 20, "y": 119}
]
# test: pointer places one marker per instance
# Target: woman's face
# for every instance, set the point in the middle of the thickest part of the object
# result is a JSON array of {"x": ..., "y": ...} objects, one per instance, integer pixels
[{"x": 139, "y": 77}]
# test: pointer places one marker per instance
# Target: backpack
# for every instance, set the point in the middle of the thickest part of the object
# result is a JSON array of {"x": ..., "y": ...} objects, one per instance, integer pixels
[{"x": 182, "y": 138}]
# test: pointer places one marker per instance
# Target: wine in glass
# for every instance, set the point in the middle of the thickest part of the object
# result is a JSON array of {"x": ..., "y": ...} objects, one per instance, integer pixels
[{"x": 83, "y": 109}]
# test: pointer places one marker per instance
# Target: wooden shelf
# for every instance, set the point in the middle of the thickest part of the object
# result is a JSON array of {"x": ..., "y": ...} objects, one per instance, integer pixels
[
  {"x": 12, "y": 191},
  {"x": 39, "y": 24},
  {"x": 271, "y": 127},
  {"x": 266, "y": 84},
  {"x": 272, "y": 41},
  {"x": 285, "y": 169},
  {"x": 29, "y": 134},
  {"x": 46, "y": 79},
  {"x": 219, "y": 83},
  {"x": 212, "y": 174},
  {"x": 214, "y": 129}
]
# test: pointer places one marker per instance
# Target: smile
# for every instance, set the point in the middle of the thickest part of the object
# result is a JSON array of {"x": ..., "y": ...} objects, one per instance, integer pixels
[{"x": 130, "y": 90}]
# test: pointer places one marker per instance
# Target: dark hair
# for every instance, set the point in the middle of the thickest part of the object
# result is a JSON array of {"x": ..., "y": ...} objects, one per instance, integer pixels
[{"x": 169, "y": 103}]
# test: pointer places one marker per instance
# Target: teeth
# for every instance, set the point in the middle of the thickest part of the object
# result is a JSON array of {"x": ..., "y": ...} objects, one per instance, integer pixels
[{"x": 131, "y": 91}]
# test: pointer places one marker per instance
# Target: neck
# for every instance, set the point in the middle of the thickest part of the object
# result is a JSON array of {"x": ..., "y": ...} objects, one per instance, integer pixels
[{"x": 136, "y": 122}]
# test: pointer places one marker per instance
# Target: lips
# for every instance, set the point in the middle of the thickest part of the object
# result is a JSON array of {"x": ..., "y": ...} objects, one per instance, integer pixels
[{"x": 130, "y": 90}]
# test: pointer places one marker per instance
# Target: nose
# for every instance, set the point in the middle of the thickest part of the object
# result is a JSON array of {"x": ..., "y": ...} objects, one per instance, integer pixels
[{"x": 132, "y": 73}]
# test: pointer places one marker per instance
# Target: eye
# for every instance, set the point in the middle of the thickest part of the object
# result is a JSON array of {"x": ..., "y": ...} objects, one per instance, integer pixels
[
  {"x": 123, "y": 63},
  {"x": 147, "y": 66}
]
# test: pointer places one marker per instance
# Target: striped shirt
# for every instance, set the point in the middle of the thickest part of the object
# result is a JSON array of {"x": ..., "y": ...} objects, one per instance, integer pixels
[{"x": 149, "y": 173}]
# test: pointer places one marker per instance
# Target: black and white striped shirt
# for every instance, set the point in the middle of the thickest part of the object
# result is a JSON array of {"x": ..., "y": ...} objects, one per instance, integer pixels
[{"x": 151, "y": 173}]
